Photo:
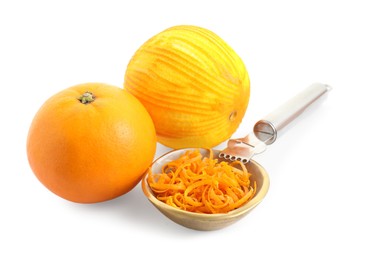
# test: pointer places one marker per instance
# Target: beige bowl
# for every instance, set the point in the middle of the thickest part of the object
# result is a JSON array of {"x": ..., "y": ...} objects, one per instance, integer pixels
[{"x": 199, "y": 221}]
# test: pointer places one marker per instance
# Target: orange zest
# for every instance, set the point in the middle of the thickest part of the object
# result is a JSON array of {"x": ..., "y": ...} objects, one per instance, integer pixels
[{"x": 202, "y": 184}]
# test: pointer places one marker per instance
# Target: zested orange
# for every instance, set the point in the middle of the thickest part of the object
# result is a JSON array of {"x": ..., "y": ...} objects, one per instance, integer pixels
[
  {"x": 91, "y": 143},
  {"x": 193, "y": 84}
]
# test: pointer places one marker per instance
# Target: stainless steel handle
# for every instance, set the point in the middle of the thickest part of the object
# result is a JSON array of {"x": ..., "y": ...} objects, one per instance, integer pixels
[{"x": 267, "y": 129}]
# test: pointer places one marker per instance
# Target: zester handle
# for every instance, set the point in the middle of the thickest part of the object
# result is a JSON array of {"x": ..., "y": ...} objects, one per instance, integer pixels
[{"x": 268, "y": 128}]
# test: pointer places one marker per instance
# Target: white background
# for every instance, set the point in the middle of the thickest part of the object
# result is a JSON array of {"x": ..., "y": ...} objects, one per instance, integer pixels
[{"x": 322, "y": 199}]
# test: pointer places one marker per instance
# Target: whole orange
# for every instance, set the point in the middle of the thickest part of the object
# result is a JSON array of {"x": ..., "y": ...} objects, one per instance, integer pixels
[
  {"x": 91, "y": 143},
  {"x": 193, "y": 84}
]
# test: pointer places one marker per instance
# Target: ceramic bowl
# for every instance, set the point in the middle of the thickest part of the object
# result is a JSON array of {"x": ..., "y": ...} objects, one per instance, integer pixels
[{"x": 201, "y": 221}]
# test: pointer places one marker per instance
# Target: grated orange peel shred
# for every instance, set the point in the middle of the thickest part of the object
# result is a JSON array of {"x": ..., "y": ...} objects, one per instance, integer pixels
[{"x": 202, "y": 184}]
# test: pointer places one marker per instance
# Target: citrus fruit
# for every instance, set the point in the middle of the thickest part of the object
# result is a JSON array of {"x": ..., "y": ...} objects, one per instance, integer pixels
[
  {"x": 193, "y": 84},
  {"x": 91, "y": 143}
]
